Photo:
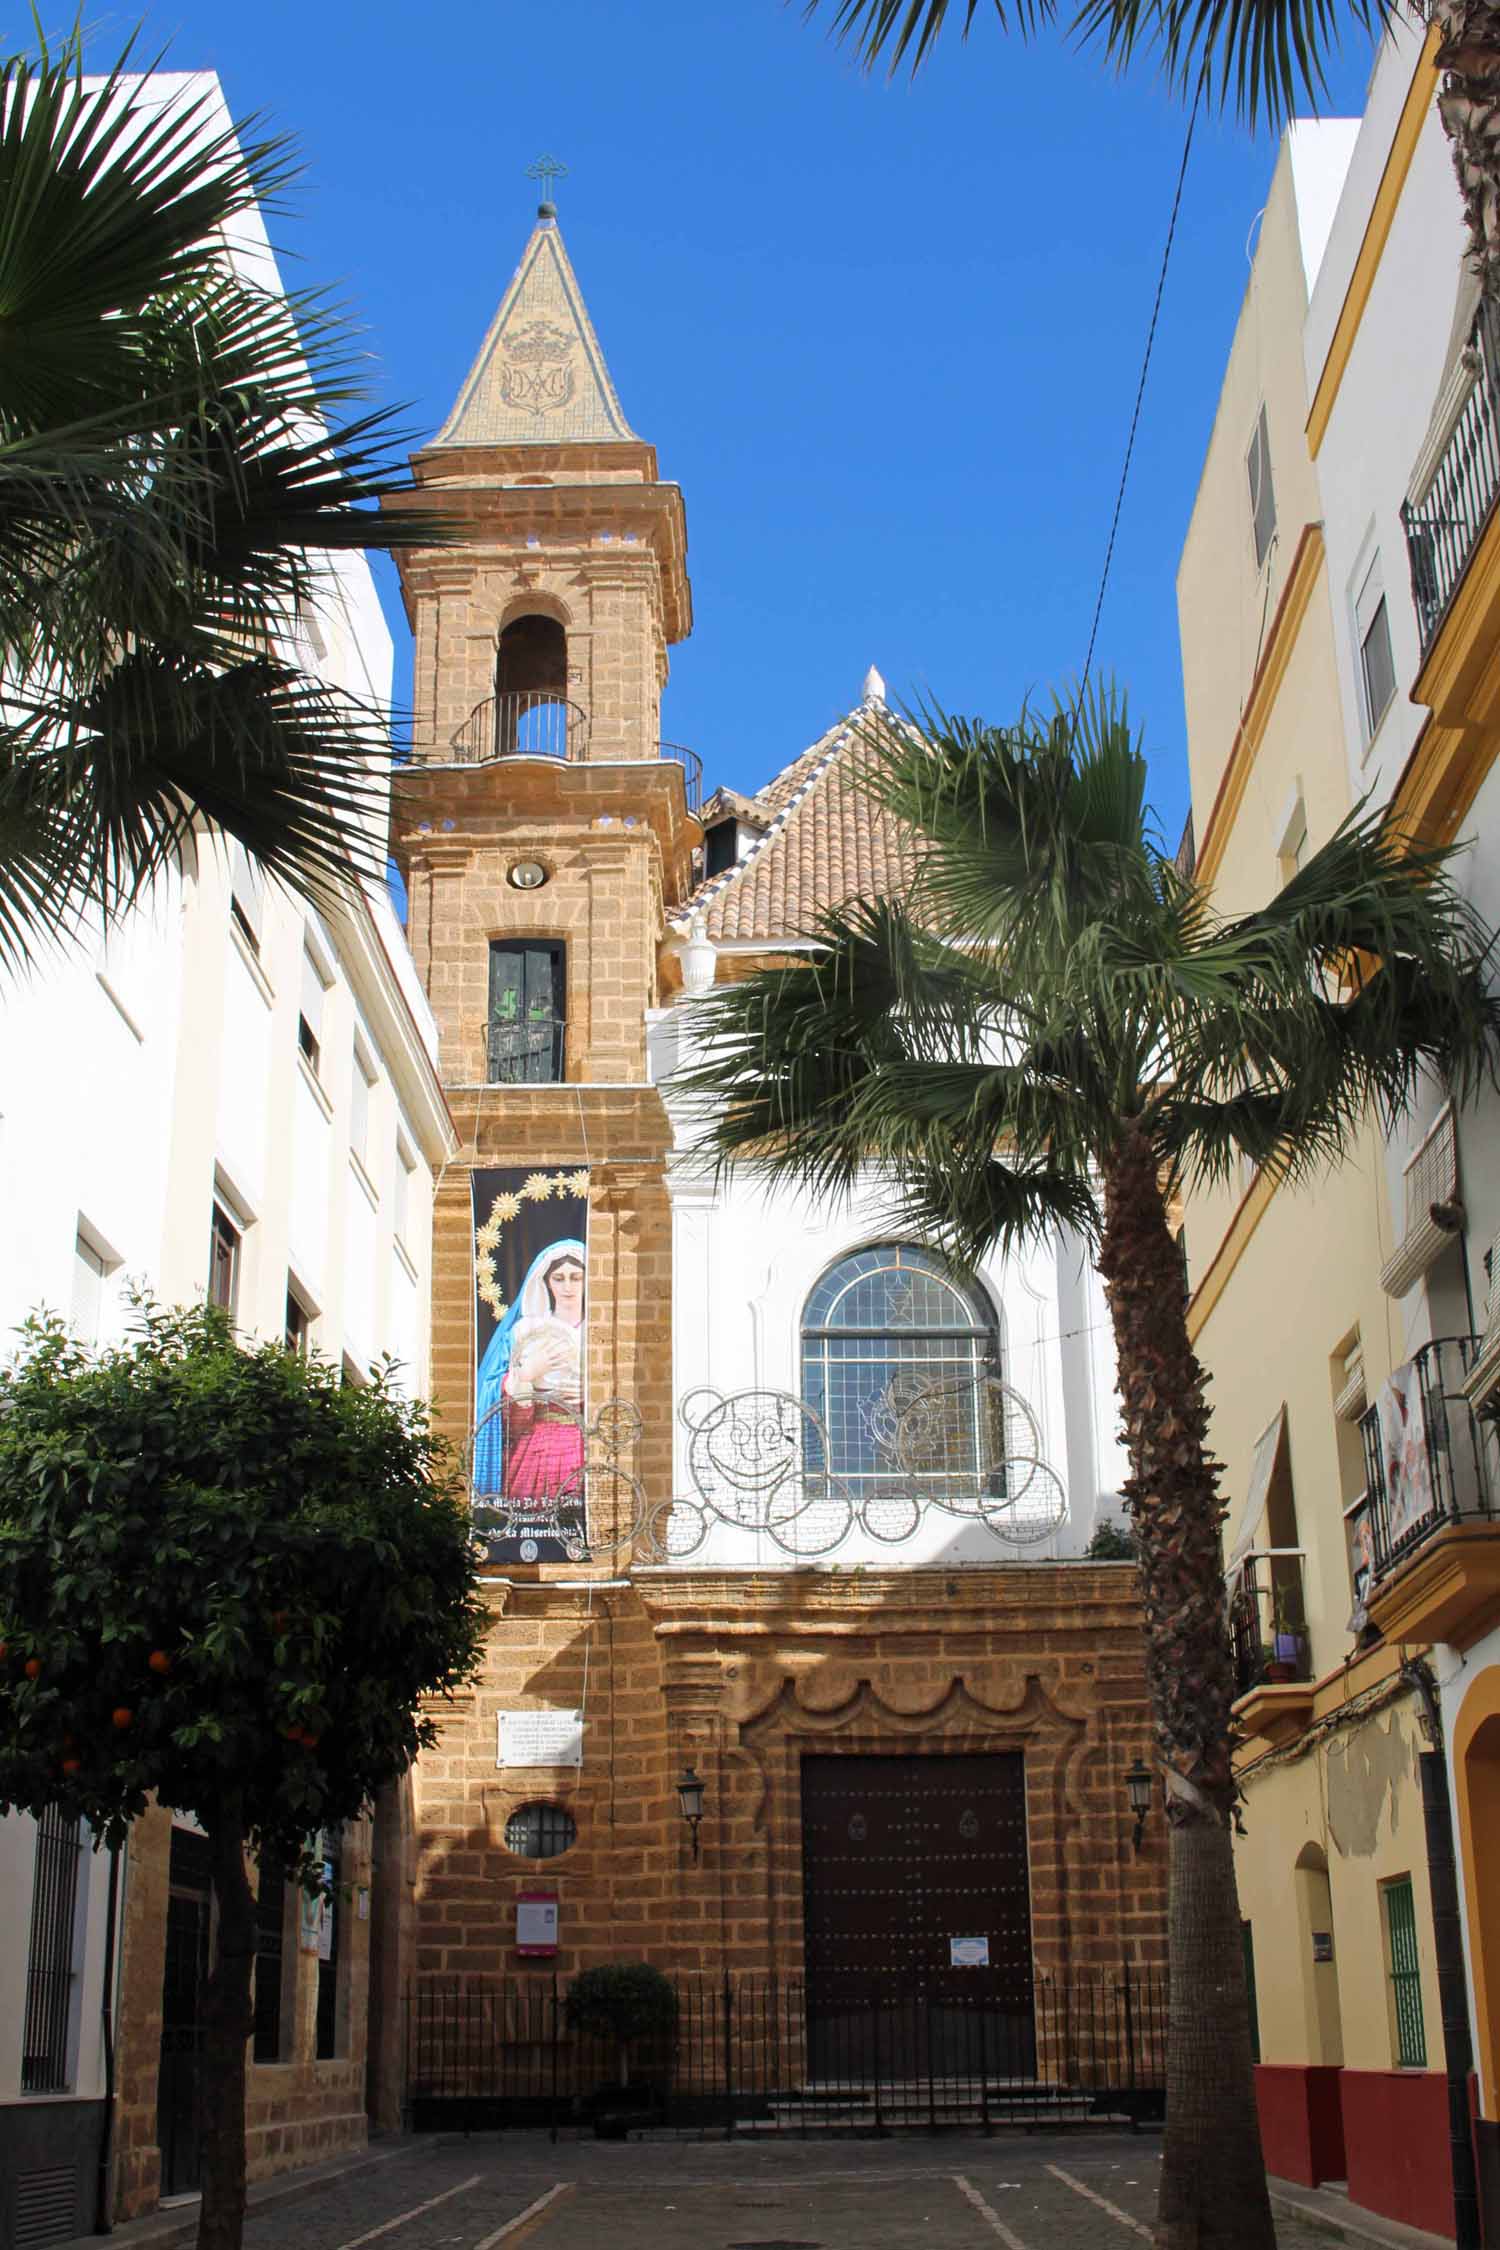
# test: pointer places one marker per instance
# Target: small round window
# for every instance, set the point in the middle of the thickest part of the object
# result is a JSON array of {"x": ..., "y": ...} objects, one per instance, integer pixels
[{"x": 540, "y": 1831}]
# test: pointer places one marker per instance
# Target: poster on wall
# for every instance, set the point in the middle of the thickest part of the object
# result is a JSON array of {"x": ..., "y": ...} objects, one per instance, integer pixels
[{"x": 530, "y": 1342}]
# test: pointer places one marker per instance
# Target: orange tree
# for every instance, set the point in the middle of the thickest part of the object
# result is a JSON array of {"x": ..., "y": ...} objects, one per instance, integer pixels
[{"x": 226, "y": 1582}]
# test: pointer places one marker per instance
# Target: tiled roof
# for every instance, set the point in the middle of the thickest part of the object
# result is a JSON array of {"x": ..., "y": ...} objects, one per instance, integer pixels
[{"x": 828, "y": 841}]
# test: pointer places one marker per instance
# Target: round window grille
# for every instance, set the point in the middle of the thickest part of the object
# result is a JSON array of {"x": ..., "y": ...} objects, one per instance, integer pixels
[{"x": 540, "y": 1831}]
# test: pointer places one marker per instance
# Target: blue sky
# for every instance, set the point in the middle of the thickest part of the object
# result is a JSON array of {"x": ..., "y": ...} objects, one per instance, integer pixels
[{"x": 885, "y": 335}]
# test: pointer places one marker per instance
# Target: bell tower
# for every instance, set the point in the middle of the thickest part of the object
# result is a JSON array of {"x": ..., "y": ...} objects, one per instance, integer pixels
[{"x": 544, "y": 831}]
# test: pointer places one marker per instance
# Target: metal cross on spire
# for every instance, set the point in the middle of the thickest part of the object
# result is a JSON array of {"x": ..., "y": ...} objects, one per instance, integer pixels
[{"x": 547, "y": 169}]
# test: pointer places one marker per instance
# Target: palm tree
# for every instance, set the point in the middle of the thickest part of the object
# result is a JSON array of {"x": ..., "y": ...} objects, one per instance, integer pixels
[
  {"x": 176, "y": 463},
  {"x": 1056, "y": 1028},
  {"x": 1261, "y": 55}
]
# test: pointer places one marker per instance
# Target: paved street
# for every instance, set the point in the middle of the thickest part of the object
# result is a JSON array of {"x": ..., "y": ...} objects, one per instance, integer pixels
[{"x": 1057, "y": 2192}]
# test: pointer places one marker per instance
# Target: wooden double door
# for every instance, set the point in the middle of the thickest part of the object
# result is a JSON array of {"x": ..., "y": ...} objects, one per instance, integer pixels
[{"x": 917, "y": 1916}]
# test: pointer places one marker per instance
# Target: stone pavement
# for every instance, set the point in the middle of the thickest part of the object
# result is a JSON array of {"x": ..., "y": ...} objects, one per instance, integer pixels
[{"x": 1057, "y": 2191}]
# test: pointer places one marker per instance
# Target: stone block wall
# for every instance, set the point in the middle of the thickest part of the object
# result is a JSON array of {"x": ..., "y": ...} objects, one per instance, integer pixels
[
  {"x": 742, "y": 1675},
  {"x": 298, "y": 2111}
]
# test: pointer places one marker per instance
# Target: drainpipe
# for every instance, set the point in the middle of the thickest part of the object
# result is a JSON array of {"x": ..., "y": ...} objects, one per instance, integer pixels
[
  {"x": 103, "y": 2217},
  {"x": 1447, "y": 1937}
]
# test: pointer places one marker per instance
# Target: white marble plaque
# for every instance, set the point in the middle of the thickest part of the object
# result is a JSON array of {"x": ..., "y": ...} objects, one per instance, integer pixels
[{"x": 540, "y": 1738}]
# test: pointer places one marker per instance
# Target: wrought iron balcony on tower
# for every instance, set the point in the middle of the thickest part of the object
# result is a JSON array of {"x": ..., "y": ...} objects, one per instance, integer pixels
[
  {"x": 533, "y": 725},
  {"x": 1443, "y": 526}
]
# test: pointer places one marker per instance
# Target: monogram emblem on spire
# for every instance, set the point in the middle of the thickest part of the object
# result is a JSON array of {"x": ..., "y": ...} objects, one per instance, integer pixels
[{"x": 538, "y": 378}]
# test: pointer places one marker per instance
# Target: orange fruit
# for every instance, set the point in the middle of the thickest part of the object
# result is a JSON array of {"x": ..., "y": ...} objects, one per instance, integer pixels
[
  {"x": 159, "y": 1661},
  {"x": 72, "y": 1765},
  {"x": 32, "y": 1667},
  {"x": 122, "y": 1717}
]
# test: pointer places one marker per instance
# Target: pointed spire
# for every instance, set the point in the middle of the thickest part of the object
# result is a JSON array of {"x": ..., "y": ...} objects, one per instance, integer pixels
[
  {"x": 540, "y": 378},
  {"x": 874, "y": 687}
]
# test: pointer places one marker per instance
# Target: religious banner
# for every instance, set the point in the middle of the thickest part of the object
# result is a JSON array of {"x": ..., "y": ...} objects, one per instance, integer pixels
[
  {"x": 1405, "y": 1454},
  {"x": 530, "y": 1338}
]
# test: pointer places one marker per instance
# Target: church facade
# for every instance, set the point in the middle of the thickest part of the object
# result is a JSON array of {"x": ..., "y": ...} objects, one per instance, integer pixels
[{"x": 766, "y": 1491}]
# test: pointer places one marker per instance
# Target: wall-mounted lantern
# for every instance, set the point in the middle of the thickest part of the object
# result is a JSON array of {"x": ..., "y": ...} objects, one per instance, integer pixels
[
  {"x": 690, "y": 1794},
  {"x": 1138, "y": 1785}
]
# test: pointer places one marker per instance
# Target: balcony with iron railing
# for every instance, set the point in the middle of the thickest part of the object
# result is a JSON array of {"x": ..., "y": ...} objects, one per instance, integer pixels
[
  {"x": 1431, "y": 1465},
  {"x": 1268, "y": 1620},
  {"x": 534, "y": 725},
  {"x": 525, "y": 1054},
  {"x": 1443, "y": 525}
]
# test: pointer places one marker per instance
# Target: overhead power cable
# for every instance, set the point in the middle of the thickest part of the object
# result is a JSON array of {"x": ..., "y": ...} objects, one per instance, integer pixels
[{"x": 1140, "y": 389}]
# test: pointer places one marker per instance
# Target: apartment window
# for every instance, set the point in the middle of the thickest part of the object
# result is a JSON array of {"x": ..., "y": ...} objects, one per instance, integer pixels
[
  {"x": 224, "y": 1241},
  {"x": 362, "y": 1079},
  {"x": 1404, "y": 1970},
  {"x": 270, "y": 1920},
  {"x": 245, "y": 899},
  {"x": 298, "y": 1324},
  {"x": 328, "y": 1950},
  {"x": 1262, "y": 494},
  {"x": 310, "y": 1017},
  {"x": 406, "y": 1165},
  {"x": 528, "y": 1007},
  {"x": 1377, "y": 667},
  {"x": 51, "y": 1964},
  {"x": 1247, "y": 1947},
  {"x": 91, "y": 1270}
]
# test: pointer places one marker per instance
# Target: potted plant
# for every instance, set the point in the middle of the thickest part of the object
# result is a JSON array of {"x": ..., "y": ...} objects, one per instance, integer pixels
[
  {"x": 623, "y": 2002},
  {"x": 1288, "y": 1648}
]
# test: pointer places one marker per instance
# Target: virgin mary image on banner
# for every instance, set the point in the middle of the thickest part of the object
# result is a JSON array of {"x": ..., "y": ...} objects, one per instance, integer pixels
[{"x": 531, "y": 1297}]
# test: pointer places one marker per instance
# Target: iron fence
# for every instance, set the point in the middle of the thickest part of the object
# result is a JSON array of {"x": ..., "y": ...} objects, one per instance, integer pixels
[
  {"x": 1442, "y": 529},
  {"x": 749, "y": 2056},
  {"x": 1429, "y": 1460}
]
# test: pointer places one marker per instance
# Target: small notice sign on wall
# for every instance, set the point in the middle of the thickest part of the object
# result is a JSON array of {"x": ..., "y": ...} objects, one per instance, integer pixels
[
  {"x": 536, "y": 1922},
  {"x": 968, "y": 1953},
  {"x": 540, "y": 1738}
]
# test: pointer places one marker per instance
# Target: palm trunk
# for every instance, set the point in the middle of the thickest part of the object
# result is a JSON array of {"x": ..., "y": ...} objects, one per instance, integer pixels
[
  {"x": 227, "y": 2023},
  {"x": 1213, "y": 2188},
  {"x": 1468, "y": 55}
]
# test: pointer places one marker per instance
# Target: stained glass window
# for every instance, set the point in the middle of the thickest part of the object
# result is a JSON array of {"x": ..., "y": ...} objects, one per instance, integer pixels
[{"x": 883, "y": 1328}]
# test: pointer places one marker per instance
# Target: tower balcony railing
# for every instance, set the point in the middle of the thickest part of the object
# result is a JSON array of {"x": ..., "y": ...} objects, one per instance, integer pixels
[
  {"x": 531, "y": 725},
  {"x": 1443, "y": 525},
  {"x": 525, "y": 1054},
  {"x": 1430, "y": 1460}
]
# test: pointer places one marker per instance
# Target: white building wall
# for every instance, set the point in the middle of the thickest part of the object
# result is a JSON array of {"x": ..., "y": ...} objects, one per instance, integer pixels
[
  {"x": 141, "y": 1077},
  {"x": 746, "y": 1257}
]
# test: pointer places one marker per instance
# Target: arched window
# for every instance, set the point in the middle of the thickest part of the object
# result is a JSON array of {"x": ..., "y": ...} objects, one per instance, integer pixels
[
  {"x": 880, "y": 1328},
  {"x": 531, "y": 688}
]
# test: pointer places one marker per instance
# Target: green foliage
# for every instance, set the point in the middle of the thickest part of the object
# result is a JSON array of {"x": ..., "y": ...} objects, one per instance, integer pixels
[
  {"x": 1054, "y": 986},
  {"x": 1259, "y": 56},
  {"x": 1110, "y": 1542},
  {"x": 622, "y": 2000},
  {"x": 176, "y": 460},
  {"x": 224, "y": 1575}
]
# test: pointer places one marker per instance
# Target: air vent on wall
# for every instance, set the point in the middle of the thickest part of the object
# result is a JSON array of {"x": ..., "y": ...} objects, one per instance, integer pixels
[{"x": 46, "y": 2206}]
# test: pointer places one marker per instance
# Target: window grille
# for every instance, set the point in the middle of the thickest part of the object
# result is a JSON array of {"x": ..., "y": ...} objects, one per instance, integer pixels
[
  {"x": 51, "y": 1965},
  {"x": 1432, "y": 1213},
  {"x": 1405, "y": 1974},
  {"x": 540, "y": 1831},
  {"x": 328, "y": 1951},
  {"x": 880, "y": 1327},
  {"x": 270, "y": 1918}
]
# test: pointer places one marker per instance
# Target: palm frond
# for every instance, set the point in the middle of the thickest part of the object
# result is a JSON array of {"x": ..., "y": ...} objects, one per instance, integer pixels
[
  {"x": 890, "y": 30},
  {"x": 1259, "y": 56}
]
